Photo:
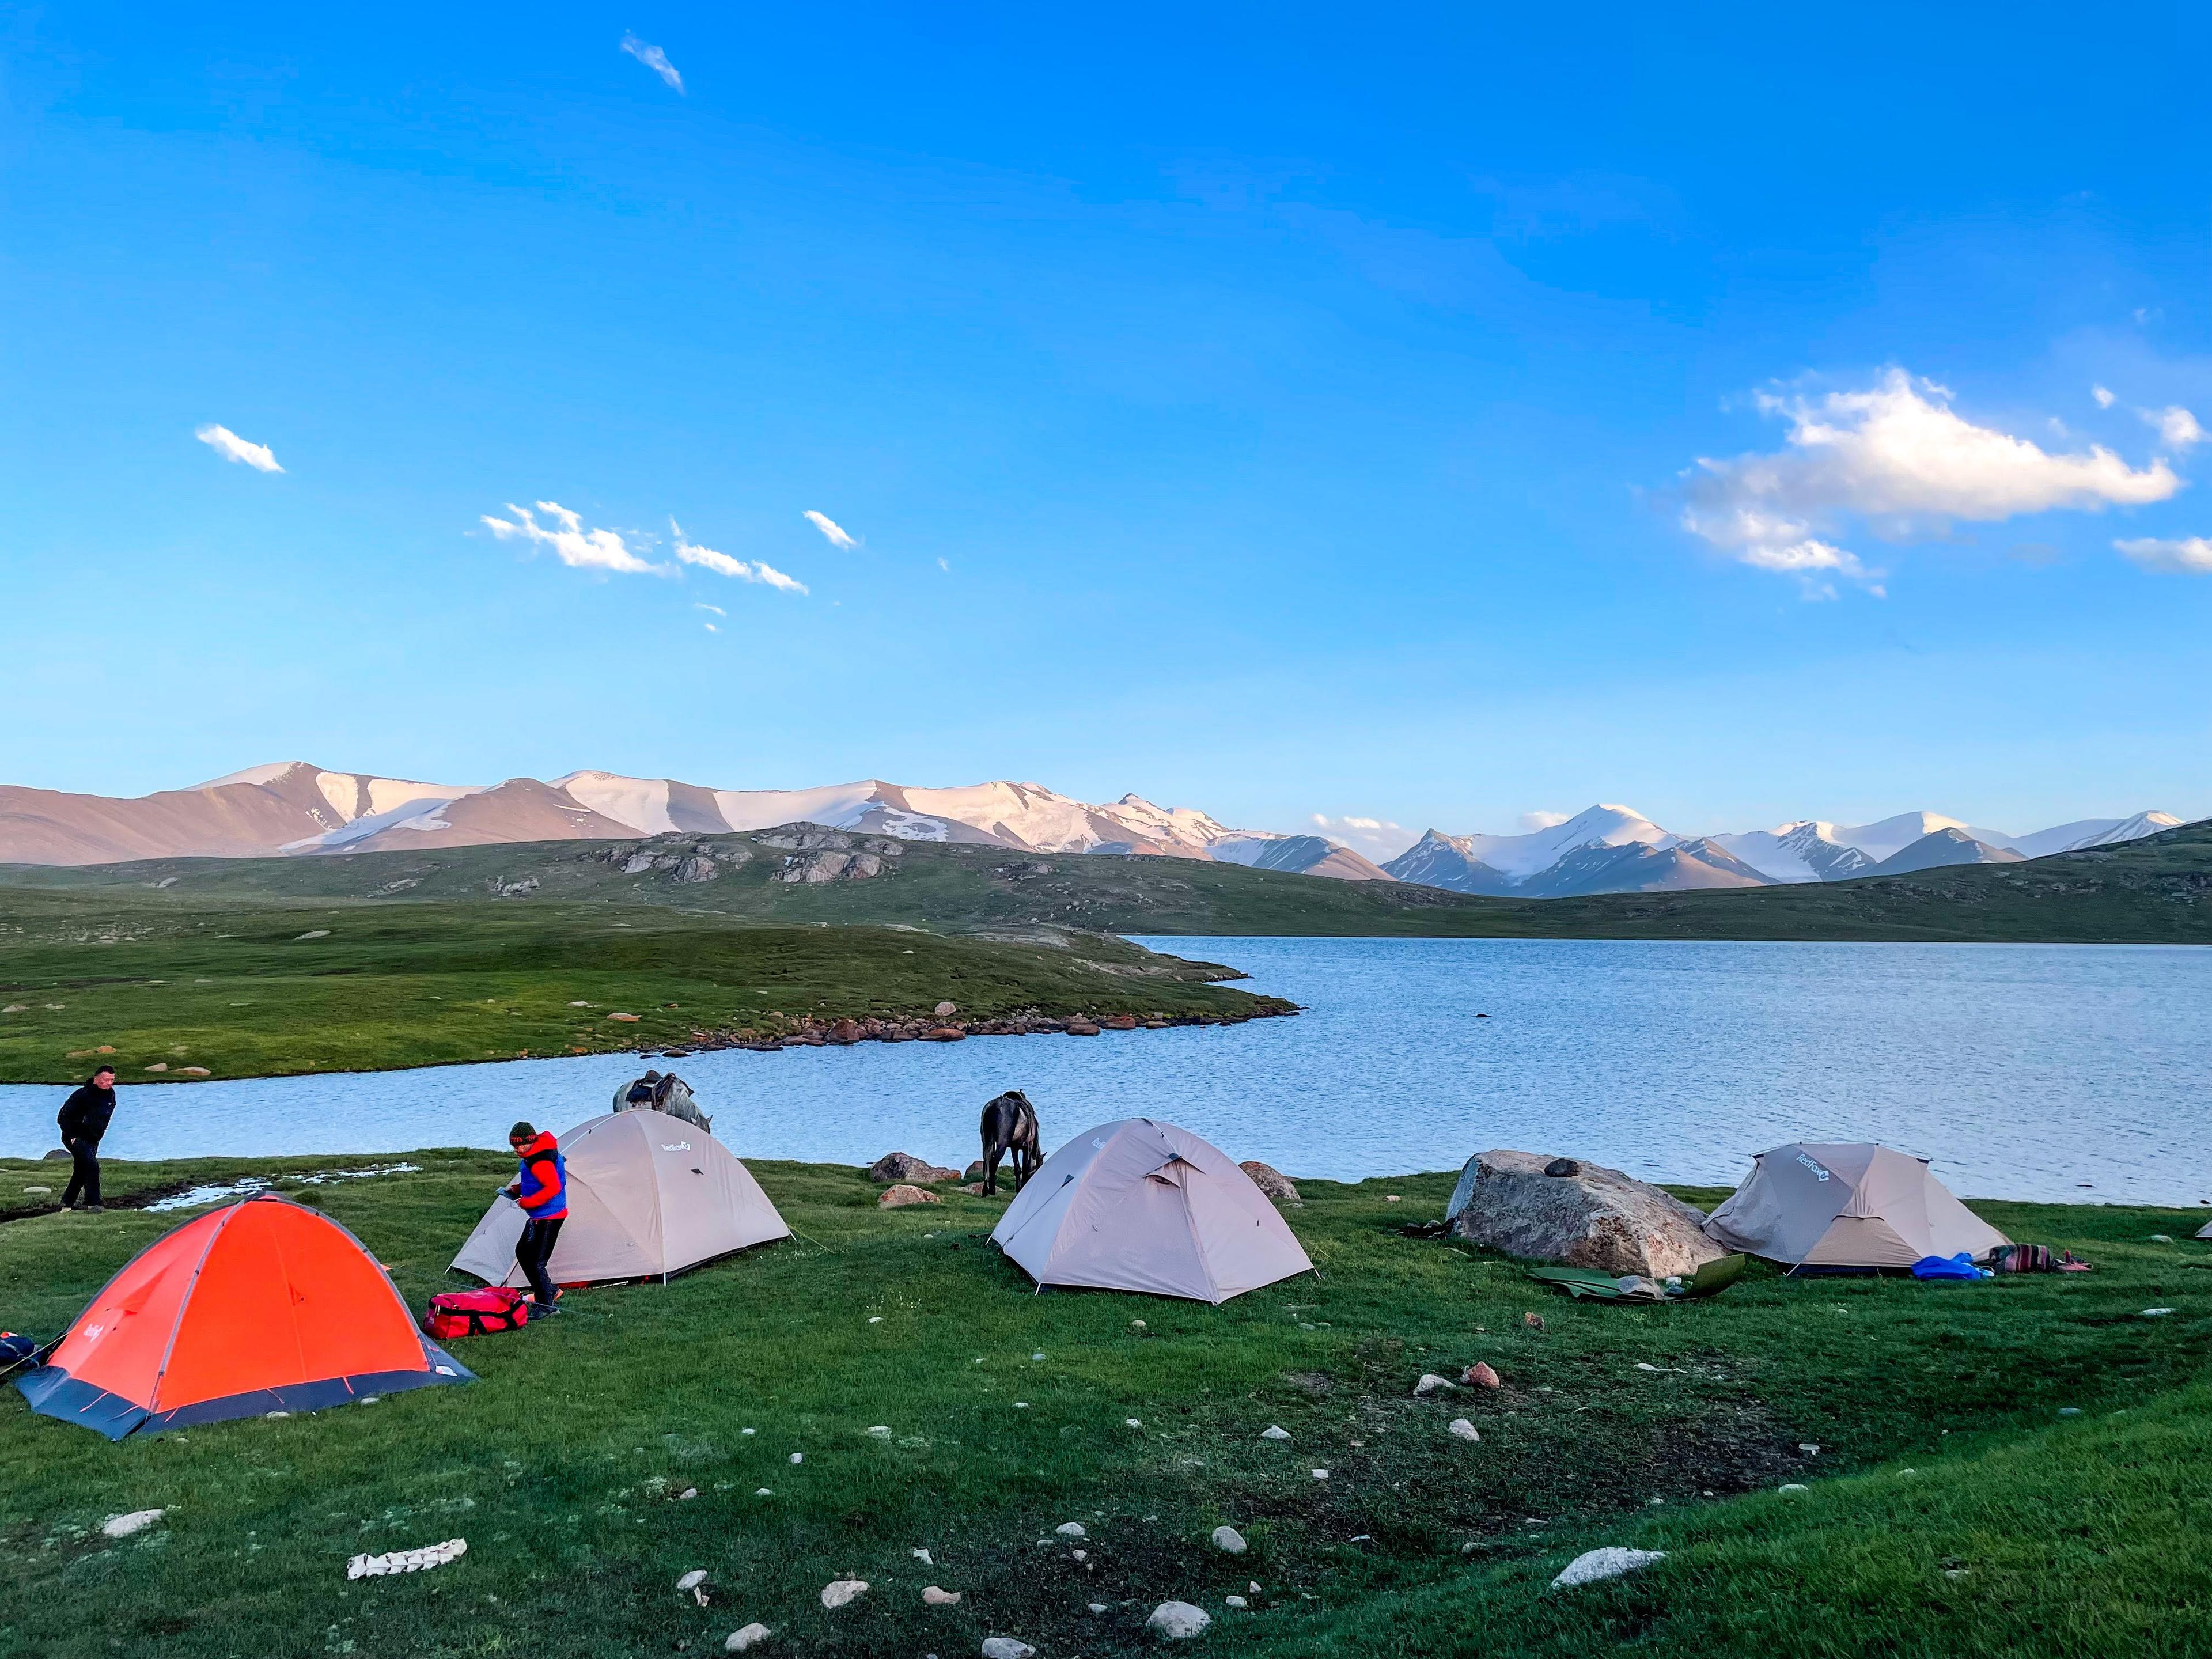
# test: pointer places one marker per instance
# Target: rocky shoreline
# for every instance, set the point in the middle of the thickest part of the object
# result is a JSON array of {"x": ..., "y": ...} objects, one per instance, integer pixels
[{"x": 944, "y": 1026}]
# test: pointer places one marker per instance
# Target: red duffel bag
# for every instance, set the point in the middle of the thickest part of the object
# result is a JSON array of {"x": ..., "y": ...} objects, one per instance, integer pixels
[{"x": 474, "y": 1313}]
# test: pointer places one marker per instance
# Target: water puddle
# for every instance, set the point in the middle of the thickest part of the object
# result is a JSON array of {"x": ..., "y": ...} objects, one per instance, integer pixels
[{"x": 246, "y": 1186}]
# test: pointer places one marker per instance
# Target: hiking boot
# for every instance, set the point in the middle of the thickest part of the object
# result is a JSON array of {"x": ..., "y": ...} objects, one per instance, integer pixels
[{"x": 96, "y": 1207}]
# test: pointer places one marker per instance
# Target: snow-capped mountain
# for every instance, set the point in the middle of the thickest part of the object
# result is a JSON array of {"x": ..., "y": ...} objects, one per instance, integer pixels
[
  {"x": 1611, "y": 849},
  {"x": 296, "y": 808}
]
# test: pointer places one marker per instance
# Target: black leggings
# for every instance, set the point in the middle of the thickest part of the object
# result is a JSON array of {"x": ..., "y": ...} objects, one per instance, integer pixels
[
  {"x": 532, "y": 1251},
  {"x": 84, "y": 1174}
]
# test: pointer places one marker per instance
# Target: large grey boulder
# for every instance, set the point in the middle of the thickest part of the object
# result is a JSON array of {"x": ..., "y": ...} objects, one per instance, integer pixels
[{"x": 1592, "y": 1217}]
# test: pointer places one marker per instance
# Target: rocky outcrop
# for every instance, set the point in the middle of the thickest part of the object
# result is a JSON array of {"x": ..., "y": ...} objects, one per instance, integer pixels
[
  {"x": 896, "y": 1197},
  {"x": 1271, "y": 1182},
  {"x": 1594, "y": 1217},
  {"x": 905, "y": 1166}
]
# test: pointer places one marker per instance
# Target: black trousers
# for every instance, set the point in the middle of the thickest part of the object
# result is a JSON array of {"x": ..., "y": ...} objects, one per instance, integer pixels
[
  {"x": 84, "y": 1173},
  {"x": 532, "y": 1251}
]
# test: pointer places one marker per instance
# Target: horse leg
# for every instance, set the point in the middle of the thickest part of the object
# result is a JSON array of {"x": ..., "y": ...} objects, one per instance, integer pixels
[{"x": 992, "y": 1153}]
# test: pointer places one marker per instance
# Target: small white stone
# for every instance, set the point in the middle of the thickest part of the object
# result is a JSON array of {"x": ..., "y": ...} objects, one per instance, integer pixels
[
  {"x": 1429, "y": 1383},
  {"x": 1463, "y": 1428},
  {"x": 798, "y": 1458},
  {"x": 740, "y": 1640},
  {"x": 692, "y": 1579},
  {"x": 883, "y": 1429},
  {"x": 688, "y": 1492},
  {"x": 1235, "y": 1600},
  {"x": 1021, "y": 1405},
  {"x": 875, "y": 1319},
  {"x": 1255, "y": 1587},
  {"x": 1080, "y": 1555},
  {"x": 1134, "y": 1324},
  {"x": 748, "y": 1431},
  {"x": 1071, "y": 1529},
  {"x": 122, "y": 1525},
  {"x": 1320, "y": 1474},
  {"x": 1006, "y": 1647},
  {"x": 922, "y": 1556},
  {"x": 1177, "y": 1620},
  {"x": 931, "y": 1596},
  {"x": 274, "y": 1416},
  {"x": 1794, "y": 1486},
  {"x": 1808, "y": 1448},
  {"x": 838, "y": 1591},
  {"x": 1132, "y": 1422},
  {"x": 2156, "y": 1312},
  {"x": 1229, "y": 1539},
  {"x": 1608, "y": 1562},
  {"x": 1098, "y": 1606},
  {"x": 1274, "y": 1431},
  {"x": 763, "y": 1492}
]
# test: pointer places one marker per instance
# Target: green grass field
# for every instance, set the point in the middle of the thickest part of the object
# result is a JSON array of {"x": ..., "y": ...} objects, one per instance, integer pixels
[
  {"x": 1951, "y": 1510},
  {"x": 257, "y": 988}
]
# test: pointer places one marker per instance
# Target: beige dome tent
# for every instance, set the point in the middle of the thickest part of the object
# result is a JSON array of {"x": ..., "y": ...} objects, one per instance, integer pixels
[
  {"x": 648, "y": 1196},
  {"x": 1847, "y": 1205},
  {"x": 1141, "y": 1206}
]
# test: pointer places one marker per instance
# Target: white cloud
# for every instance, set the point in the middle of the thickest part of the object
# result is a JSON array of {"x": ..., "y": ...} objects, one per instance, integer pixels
[
  {"x": 711, "y": 629},
  {"x": 1532, "y": 822},
  {"x": 2177, "y": 427},
  {"x": 1377, "y": 838},
  {"x": 828, "y": 526},
  {"x": 1896, "y": 457},
  {"x": 232, "y": 447},
  {"x": 716, "y": 609},
  {"x": 654, "y": 60},
  {"x": 2104, "y": 398},
  {"x": 723, "y": 565},
  {"x": 2190, "y": 556},
  {"x": 573, "y": 545},
  {"x": 945, "y": 566}
]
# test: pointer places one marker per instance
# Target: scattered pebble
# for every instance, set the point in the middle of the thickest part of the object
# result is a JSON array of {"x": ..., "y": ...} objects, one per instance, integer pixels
[
  {"x": 838, "y": 1591},
  {"x": 2156, "y": 1312},
  {"x": 1006, "y": 1647},
  {"x": 1320, "y": 1474},
  {"x": 1795, "y": 1485},
  {"x": 1229, "y": 1539},
  {"x": 1607, "y": 1562},
  {"x": 693, "y": 1579},
  {"x": 2161, "y": 1238},
  {"x": 1482, "y": 1375},
  {"x": 419, "y": 1560},
  {"x": 1657, "y": 1370},
  {"x": 740, "y": 1640},
  {"x": 763, "y": 1492},
  {"x": 922, "y": 1556},
  {"x": 1274, "y": 1431},
  {"x": 1036, "y": 1356},
  {"x": 1392, "y": 1199},
  {"x": 688, "y": 1492},
  {"x": 273, "y": 1416},
  {"x": 883, "y": 1429},
  {"x": 1137, "y": 1325},
  {"x": 798, "y": 1458},
  {"x": 1021, "y": 1405},
  {"x": 1429, "y": 1383},
  {"x": 1133, "y": 1423},
  {"x": 1177, "y": 1620},
  {"x": 934, "y": 1597},
  {"x": 122, "y": 1525},
  {"x": 1235, "y": 1602},
  {"x": 1463, "y": 1428},
  {"x": 1956, "y": 1572},
  {"x": 748, "y": 1431},
  {"x": 875, "y": 1319},
  {"x": 1098, "y": 1606},
  {"x": 1071, "y": 1529},
  {"x": 1255, "y": 1587},
  {"x": 1811, "y": 1448},
  {"x": 2069, "y": 1410}
]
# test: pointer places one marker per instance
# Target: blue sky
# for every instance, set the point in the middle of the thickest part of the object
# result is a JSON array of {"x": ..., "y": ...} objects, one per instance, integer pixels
[{"x": 1285, "y": 411}]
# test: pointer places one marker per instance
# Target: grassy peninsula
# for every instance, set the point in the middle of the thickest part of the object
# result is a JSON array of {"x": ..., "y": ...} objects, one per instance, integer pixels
[{"x": 1950, "y": 1507}]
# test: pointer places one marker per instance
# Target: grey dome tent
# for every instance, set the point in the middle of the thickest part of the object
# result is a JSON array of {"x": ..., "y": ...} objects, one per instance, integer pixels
[
  {"x": 649, "y": 1195},
  {"x": 1852, "y": 1205},
  {"x": 1143, "y": 1205}
]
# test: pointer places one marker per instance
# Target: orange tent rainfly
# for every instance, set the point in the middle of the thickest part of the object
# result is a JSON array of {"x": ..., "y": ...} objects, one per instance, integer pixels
[{"x": 260, "y": 1306}]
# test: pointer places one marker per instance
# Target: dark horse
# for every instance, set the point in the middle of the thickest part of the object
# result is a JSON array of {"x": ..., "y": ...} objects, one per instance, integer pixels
[{"x": 1010, "y": 1125}]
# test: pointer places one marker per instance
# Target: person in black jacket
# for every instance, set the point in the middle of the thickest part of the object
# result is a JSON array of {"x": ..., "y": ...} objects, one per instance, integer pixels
[{"x": 83, "y": 1120}]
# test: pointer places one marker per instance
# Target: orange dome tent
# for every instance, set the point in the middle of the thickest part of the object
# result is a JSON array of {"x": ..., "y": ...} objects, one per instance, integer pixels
[{"x": 260, "y": 1306}]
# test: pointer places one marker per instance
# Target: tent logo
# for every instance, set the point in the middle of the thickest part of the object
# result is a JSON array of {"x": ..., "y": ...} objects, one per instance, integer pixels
[
  {"x": 680, "y": 1146},
  {"x": 1819, "y": 1173}
]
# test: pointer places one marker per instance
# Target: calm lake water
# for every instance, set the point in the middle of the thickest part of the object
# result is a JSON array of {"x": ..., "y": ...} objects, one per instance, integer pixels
[{"x": 2035, "y": 1072}]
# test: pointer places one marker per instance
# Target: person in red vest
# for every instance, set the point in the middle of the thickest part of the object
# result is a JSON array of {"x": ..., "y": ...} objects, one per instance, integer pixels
[{"x": 542, "y": 1190}]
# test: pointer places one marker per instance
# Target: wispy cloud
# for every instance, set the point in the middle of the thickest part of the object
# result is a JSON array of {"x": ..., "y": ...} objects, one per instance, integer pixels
[
  {"x": 573, "y": 545},
  {"x": 654, "y": 60},
  {"x": 2188, "y": 556},
  {"x": 1532, "y": 822},
  {"x": 2104, "y": 397},
  {"x": 829, "y": 529},
  {"x": 716, "y": 609},
  {"x": 232, "y": 447},
  {"x": 1899, "y": 459},
  {"x": 1377, "y": 838},
  {"x": 723, "y": 565},
  {"x": 2177, "y": 427}
]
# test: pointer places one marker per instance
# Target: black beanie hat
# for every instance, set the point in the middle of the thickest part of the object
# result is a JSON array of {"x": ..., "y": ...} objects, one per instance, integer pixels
[{"x": 522, "y": 1131}]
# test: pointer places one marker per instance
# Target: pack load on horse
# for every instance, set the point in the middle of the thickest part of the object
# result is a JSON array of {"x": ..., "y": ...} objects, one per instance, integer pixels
[
  {"x": 1010, "y": 1125},
  {"x": 666, "y": 1093}
]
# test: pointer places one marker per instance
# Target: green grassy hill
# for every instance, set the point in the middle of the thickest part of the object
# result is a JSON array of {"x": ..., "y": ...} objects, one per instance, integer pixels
[
  {"x": 1949, "y": 1509},
  {"x": 2155, "y": 890}
]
